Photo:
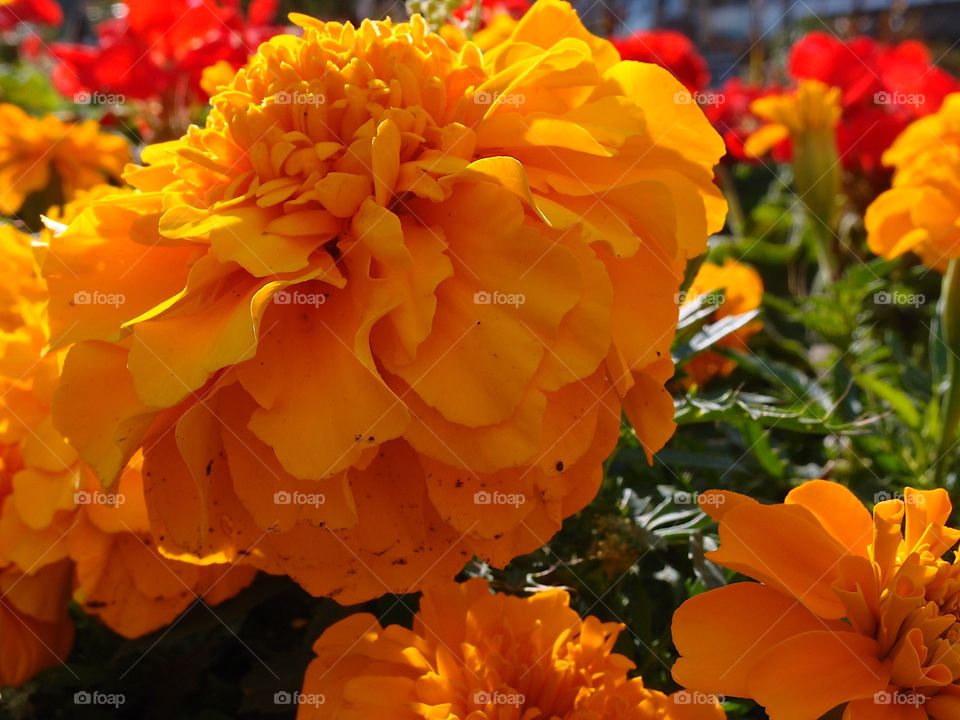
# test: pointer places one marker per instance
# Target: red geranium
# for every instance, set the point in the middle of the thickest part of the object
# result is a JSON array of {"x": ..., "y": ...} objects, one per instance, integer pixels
[
  {"x": 670, "y": 50},
  {"x": 41, "y": 12},
  {"x": 728, "y": 110},
  {"x": 488, "y": 8},
  {"x": 884, "y": 87},
  {"x": 159, "y": 49}
]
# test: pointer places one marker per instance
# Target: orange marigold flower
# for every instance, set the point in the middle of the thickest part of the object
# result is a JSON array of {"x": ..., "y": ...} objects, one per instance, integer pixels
[
  {"x": 381, "y": 312},
  {"x": 35, "y": 152},
  {"x": 60, "y": 533},
  {"x": 921, "y": 213},
  {"x": 849, "y": 611},
  {"x": 742, "y": 289},
  {"x": 473, "y": 654}
]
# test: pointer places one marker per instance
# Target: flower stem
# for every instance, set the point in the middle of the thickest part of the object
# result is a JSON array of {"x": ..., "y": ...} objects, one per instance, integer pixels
[
  {"x": 735, "y": 217},
  {"x": 949, "y": 311}
]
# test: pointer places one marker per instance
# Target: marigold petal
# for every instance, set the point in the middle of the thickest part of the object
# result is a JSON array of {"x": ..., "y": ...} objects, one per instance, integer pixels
[
  {"x": 809, "y": 674},
  {"x": 722, "y": 635},
  {"x": 838, "y": 510},
  {"x": 315, "y": 345},
  {"x": 785, "y": 547}
]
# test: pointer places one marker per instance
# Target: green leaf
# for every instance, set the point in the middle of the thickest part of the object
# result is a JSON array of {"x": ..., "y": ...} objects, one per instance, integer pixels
[
  {"x": 712, "y": 334},
  {"x": 898, "y": 400}
]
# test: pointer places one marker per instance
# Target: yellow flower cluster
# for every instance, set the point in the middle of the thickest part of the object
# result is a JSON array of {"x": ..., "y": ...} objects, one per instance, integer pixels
[
  {"x": 35, "y": 152},
  {"x": 921, "y": 213}
]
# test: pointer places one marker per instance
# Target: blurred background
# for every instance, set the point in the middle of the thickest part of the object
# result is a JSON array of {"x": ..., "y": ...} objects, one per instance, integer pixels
[{"x": 729, "y": 33}]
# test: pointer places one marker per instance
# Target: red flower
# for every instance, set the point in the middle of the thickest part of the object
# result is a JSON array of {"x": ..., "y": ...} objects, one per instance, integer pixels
[
  {"x": 488, "y": 8},
  {"x": 41, "y": 12},
  {"x": 728, "y": 110},
  {"x": 884, "y": 88},
  {"x": 159, "y": 49},
  {"x": 670, "y": 50}
]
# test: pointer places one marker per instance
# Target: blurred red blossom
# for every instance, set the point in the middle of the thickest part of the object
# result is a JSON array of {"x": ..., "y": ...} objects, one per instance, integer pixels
[
  {"x": 884, "y": 87},
  {"x": 489, "y": 8},
  {"x": 158, "y": 50},
  {"x": 41, "y": 12},
  {"x": 670, "y": 50},
  {"x": 728, "y": 110}
]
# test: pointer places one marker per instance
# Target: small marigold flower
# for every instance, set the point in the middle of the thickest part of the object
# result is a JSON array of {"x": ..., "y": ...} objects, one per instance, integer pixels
[
  {"x": 473, "y": 655},
  {"x": 383, "y": 310},
  {"x": 742, "y": 291},
  {"x": 849, "y": 610},
  {"x": 807, "y": 117},
  {"x": 37, "y": 151},
  {"x": 921, "y": 213}
]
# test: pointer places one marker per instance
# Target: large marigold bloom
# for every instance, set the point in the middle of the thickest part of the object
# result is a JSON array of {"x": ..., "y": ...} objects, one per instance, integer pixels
[
  {"x": 476, "y": 654},
  {"x": 742, "y": 291},
  {"x": 921, "y": 213},
  {"x": 383, "y": 310},
  {"x": 848, "y": 609},
  {"x": 37, "y": 151}
]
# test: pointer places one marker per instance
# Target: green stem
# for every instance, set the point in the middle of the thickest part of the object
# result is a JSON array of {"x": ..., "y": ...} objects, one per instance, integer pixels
[
  {"x": 735, "y": 217},
  {"x": 949, "y": 310},
  {"x": 827, "y": 260}
]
